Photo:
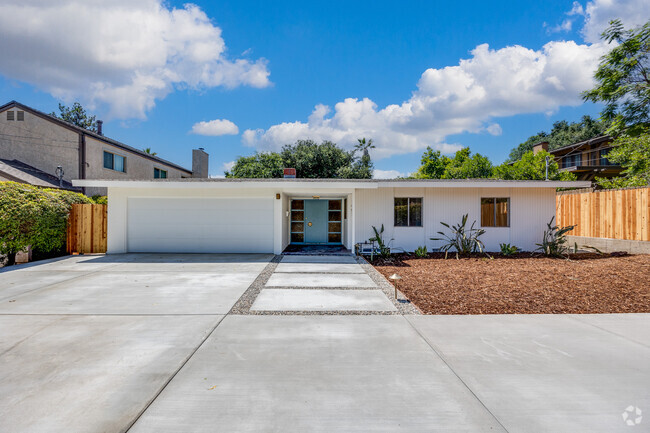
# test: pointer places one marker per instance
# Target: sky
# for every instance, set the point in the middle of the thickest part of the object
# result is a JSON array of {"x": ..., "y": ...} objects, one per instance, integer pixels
[{"x": 240, "y": 76}]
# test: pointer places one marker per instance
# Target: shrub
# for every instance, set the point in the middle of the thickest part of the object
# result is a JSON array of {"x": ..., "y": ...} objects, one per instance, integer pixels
[
  {"x": 31, "y": 216},
  {"x": 384, "y": 249},
  {"x": 100, "y": 199},
  {"x": 554, "y": 242},
  {"x": 463, "y": 240},
  {"x": 421, "y": 252},
  {"x": 508, "y": 250}
]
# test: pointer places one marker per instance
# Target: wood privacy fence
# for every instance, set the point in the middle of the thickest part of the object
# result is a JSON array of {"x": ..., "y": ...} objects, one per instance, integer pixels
[
  {"x": 87, "y": 228},
  {"x": 614, "y": 214}
]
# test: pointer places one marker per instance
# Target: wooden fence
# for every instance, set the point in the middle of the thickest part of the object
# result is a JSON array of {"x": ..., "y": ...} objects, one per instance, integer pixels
[
  {"x": 87, "y": 228},
  {"x": 614, "y": 214}
]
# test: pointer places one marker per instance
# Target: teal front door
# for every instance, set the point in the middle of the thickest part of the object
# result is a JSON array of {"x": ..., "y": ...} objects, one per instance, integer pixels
[{"x": 316, "y": 221}]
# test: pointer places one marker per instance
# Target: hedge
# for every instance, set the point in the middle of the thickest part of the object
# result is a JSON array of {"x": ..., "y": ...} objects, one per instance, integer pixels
[{"x": 32, "y": 216}]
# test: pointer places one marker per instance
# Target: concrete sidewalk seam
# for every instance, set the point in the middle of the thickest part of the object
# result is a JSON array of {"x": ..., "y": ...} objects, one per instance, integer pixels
[
  {"x": 442, "y": 358},
  {"x": 624, "y": 337},
  {"x": 162, "y": 388}
]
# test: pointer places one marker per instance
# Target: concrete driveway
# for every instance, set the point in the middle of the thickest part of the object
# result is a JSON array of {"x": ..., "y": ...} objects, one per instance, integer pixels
[{"x": 145, "y": 343}]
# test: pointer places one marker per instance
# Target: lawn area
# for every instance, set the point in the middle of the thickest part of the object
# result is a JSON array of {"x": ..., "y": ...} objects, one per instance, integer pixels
[{"x": 523, "y": 284}]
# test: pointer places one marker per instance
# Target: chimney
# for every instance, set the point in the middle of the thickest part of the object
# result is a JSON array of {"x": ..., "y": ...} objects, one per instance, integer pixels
[
  {"x": 543, "y": 145},
  {"x": 289, "y": 173},
  {"x": 99, "y": 127},
  {"x": 199, "y": 163}
]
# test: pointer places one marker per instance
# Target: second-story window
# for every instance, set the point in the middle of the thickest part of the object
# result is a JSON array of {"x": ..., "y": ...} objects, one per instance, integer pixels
[
  {"x": 159, "y": 174},
  {"x": 114, "y": 162}
]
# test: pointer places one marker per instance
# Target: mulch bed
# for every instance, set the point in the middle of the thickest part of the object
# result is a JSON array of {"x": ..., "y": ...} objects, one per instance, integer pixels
[{"x": 523, "y": 284}]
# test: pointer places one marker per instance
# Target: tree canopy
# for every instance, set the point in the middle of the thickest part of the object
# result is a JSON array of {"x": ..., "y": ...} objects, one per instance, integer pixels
[
  {"x": 633, "y": 153},
  {"x": 310, "y": 159},
  {"x": 623, "y": 78},
  {"x": 532, "y": 167},
  {"x": 563, "y": 133},
  {"x": 463, "y": 165},
  {"x": 76, "y": 114}
]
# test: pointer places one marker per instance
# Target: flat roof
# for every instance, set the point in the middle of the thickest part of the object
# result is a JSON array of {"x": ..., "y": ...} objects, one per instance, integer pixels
[{"x": 327, "y": 183}]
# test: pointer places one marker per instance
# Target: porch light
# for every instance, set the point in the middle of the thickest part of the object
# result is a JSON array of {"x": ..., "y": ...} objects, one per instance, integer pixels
[{"x": 315, "y": 197}]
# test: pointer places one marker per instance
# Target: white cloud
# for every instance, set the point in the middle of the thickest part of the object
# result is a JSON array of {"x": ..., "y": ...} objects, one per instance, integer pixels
[
  {"x": 599, "y": 13},
  {"x": 386, "y": 174},
  {"x": 215, "y": 128},
  {"x": 122, "y": 54},
  {"x": 494, "y": 129},
  {"x": 227, "y": 166},
  {"x": 451, "y": 100}
]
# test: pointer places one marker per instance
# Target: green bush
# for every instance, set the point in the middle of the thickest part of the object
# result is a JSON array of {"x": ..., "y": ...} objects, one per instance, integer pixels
[
  {"x": 508, "y": 250},
  {"x": 36, "y": 217},
  {"x": 554, "y": 242},
  {"x": 463, "y": 240},
  {"x": 100, "y": 199},
  {"x": 421, "y": 252}
]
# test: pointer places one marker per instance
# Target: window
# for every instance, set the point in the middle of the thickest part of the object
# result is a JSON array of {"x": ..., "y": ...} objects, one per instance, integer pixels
[
  {"x": 603, "y": 157},
  {"x": 408, "y": 212},
  {"x": 114, "y": 162},
  {"x": 10, "y": 115},
  {"x": 495, "y": 212},
  {"x": 571, "y": 160},
  {"x": 159, "y": 174},
  {"x": 20, "y": 116}
]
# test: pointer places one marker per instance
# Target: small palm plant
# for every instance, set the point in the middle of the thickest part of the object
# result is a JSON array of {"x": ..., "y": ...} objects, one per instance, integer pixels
[
  {"x": 462, "y": 239},
  {"x": 554, "y": 241}
]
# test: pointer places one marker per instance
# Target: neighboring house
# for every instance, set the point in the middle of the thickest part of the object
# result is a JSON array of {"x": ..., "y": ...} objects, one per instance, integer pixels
[
  {"x": 31, "y": 140},
  {"x": 266, "y": 215},
  {"x": 587, "y": 159},
  {"x": 16, "y": 171}
]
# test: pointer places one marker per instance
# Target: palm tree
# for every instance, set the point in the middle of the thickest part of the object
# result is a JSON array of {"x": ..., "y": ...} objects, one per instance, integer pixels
[
  {"x": 148, "y": 150},
  {"x": 363, "y": 146}
]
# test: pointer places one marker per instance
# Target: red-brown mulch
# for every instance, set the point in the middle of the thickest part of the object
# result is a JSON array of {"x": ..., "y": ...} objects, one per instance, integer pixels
[{"x": 523, "y": 284}]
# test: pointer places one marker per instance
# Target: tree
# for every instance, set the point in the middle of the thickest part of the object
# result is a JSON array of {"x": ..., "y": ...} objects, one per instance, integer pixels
[
  {"x": 465, "y": 166},
  {"x": 563, "y": 133},
  {"x": 147, "y": 150},
  {"x": 633, "y": 153},
  {"x": 260, "y": 165},
  {"x": 362, "y": 167},
  {"x": 532, "y": 167},
  {"x": 433, "y": 165},
  {"x": 77, "y": 116},
  {"x": 623, "y": 77}
]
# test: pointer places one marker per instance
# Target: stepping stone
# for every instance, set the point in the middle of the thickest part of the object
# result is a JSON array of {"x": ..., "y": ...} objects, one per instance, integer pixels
[
  {"x": 319, "y": 259},
  {"x": 319, "y": 280},
  {"x": 340, "y": 268},
  {"x": 322, "y": 300}
]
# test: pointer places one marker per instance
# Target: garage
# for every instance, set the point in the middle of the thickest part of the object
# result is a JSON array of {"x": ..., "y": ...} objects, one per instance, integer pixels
[{"x": 200, "y": 225}]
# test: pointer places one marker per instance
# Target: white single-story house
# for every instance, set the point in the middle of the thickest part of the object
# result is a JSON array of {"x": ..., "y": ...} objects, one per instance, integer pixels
[{"x": 267, "y": 215}]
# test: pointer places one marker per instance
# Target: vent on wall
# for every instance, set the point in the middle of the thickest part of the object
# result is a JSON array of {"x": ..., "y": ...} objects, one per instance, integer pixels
[
  {"x": 20, "y": 116},
  {"x": 10, "y": 115}
]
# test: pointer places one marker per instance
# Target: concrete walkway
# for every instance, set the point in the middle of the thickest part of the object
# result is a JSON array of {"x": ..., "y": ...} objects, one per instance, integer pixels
[
  {"x": 113, "y": 344},
  {"x": 321, "y": 283}
]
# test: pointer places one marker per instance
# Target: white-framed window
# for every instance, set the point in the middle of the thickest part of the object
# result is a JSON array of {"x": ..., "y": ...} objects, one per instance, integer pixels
[
  {"x": 408, "y": 211},
  {"x": 159, "y": 173},
  {"x": 495, "y": 212},
  {"x": 114, "y": 162}
]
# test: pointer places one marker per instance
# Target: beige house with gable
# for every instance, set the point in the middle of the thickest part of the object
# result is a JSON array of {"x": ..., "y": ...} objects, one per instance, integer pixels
[{"x": 33, "y": 144}]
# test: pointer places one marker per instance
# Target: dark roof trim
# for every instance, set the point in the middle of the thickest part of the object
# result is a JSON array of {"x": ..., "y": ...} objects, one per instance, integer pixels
[
  {"x": 595, "y": 140},
  {"x": 94, "y": 135}
]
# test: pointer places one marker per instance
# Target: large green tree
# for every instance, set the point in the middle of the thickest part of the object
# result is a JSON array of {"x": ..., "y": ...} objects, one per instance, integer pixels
[
  {"x": 633, "y": 153},
  {"x": 432, "y": 165},
  {"x": 623, "y": 78},
  {"x": 563, "y": 133},
  {"x": 463, "y": 165},
  {"x": 76, "y": 114},
  {"x": 531, "y": 167},
  {"x": 310, "y": 159}
]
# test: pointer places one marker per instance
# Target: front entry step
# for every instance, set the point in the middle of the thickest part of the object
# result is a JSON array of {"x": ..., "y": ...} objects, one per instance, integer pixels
[{"x": 322, "y": 300}]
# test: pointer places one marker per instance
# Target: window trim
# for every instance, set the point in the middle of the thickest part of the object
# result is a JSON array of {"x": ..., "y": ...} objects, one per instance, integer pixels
[
  {"x": 113, "y": 155},
  {"x": 495, "y": 212},
  {"x": 408, "y": 212},
  {"x": 13, "y": 116},
  {"x": 20, "y": 116}
]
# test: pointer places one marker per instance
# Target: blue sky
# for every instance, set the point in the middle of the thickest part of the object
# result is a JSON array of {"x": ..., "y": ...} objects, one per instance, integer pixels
[{"x": 276, "y": 61}]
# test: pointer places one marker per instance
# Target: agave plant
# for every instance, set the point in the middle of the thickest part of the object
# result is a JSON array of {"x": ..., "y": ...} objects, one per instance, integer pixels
[
  {"x": 462, "y": 239},
  {"x": 554, "y": 242}
]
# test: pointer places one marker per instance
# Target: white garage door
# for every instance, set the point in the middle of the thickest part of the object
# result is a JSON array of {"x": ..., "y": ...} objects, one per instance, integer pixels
[{"x": 192, "y": 225}]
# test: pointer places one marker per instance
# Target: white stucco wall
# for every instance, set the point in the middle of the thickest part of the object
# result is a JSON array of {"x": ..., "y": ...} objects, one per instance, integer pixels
[{"x": 531, "y": 209}]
